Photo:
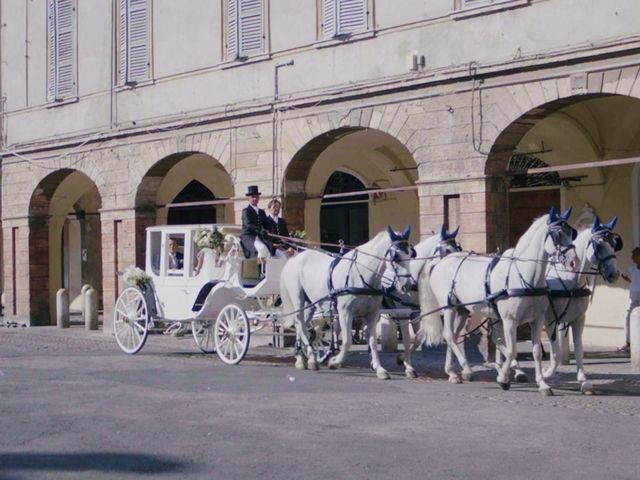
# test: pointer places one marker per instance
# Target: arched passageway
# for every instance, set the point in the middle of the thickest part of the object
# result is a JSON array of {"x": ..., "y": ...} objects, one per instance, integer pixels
[
  {"x": 330, "y": 162},
  {"x": 581, "y": 151},
  {"x": 65, "y": 247}
]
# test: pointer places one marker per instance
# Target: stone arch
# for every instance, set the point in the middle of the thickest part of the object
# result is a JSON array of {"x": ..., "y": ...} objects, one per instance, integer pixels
[
  {"x": 64, "y": 247},
  {"x": 371, "y": 154},
  {"x": 164, "y": 180}
]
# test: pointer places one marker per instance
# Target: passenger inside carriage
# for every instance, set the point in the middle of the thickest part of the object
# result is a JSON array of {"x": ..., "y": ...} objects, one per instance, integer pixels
[{"x": 175, "y": 256}]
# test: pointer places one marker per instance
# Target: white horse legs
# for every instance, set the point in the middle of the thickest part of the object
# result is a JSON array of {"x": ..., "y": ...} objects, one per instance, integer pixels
[
  {"x": 409, "y": 341},
  {"x": 345, "y": 320},
  {"x": 372, "y": 340},
  {"x": 453, "y": 324},
  {"x": 536, "y": 330},
  {"x": 504, "y": 372}
]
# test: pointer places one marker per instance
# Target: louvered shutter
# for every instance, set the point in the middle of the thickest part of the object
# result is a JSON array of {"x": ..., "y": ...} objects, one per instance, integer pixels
[
  {"x": 232, "y": 29},
  {"x": 352, "y": 16},
  {"x": 65, "y": 26},
  {"x": 251, "y": 35},
  {"x": 329, "y": 21},
  {"x": 122, "y": 43},
  {"x": 51, "y": 34},
  {"x": 61, "y": 75},
  {"x": 138, "y": 41}
]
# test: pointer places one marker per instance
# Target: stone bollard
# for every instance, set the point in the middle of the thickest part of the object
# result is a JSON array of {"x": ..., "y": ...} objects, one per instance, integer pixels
[
  {"x": 83, "y": 291},
  {"x": 388, "y": 334},
  {"x": 634, "y": 338},
  {"x": 563, "y": 346},
  {"x": 62, "y": 308},
  {"x": 91, "y": 309}
]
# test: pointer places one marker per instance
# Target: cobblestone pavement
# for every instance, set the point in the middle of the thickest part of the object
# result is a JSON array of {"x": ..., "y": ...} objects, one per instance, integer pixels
[{"x": 73, "y": 406}]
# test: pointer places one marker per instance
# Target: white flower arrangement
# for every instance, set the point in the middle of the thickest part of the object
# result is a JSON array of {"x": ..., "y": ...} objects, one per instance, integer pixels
[
  {"x": 135, "y": 276},
  {"x": 205, "y": 238}
]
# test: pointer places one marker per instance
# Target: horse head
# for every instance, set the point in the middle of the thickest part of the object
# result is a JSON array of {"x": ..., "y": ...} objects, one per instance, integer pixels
[
  {"x": 559, "y": 231},
  {"x": 447, "y": 243},
  {"x": 399, "y": 253},
  {"x": 602, "y": 245}
]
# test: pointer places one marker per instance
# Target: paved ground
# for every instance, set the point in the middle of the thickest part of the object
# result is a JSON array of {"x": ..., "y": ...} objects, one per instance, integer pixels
[{"x": 73, "y": 406}]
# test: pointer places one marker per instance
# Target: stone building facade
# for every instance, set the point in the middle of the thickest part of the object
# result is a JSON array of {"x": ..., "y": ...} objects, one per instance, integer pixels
[{"x": 436, "y": 106}]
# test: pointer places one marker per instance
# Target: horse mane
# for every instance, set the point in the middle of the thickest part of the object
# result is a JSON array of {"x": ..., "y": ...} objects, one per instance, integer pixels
[{"x": 526, "y": 238}]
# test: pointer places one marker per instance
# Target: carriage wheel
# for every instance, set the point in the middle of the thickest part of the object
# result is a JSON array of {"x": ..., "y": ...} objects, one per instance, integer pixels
[
  {"x": 131, "y": 320},
  {"x": 232, "y": 334},
  {"x": 203, "y": 335}
]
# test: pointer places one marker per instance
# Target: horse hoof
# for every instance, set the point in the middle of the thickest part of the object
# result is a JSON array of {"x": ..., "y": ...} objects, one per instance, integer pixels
[
  {"x": 546, "y": 392},
  {"x": 300, "y": 365},
  {"x": 411, "y": 374},
  {"x": 455, "y": 379},
  {"x": 467, "y": 377},
  {"x": 383, "y": 375},
  {"x": 505, "y": 386},
  {"x": 522, "y": 378},
  {"x": 587, "y": 389},
  {"x": 313, "y": 366}
]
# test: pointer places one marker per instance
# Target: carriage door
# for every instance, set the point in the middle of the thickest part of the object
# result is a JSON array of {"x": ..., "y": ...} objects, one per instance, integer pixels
[{"x": 345, "y": 218}]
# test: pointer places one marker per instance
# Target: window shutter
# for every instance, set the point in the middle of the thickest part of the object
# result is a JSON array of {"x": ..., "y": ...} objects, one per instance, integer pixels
[
  {"x": 251, "y": 27},
  {"x": 51, "y": 34},
  {"x": 329, "y": 18},
  {"x": 122, "y": 43},
  {"x": 66, "y": 71},
  {"x": 232, "y": 29},
  {"x": 352, "y": 16},
  {"x": 138, "y": 41}
]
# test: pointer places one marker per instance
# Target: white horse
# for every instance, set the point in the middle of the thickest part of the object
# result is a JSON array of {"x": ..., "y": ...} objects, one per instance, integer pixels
[
  {"x": 353, "y": 281},
  {"x": 569, "y": 291},
  {"x": 428, "y": 252},
  {"x": 511, "y": 289},
  {"x": 569, "y": 294}
]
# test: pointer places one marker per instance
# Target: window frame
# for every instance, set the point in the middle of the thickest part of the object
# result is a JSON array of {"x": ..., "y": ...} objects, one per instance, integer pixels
[
  {"x": 466, "y": 8},
  {"x": 53, "y": 84},
  {"x": 240, "y": 58},
  {"x": 121, "y": 80},
  {"x": 340, "y": 38}
]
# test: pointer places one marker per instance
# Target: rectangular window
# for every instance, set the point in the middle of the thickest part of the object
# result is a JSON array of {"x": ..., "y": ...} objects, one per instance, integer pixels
[
  {"x": 469, "y": 8},
  {"x": 61, "y": 55},
  {"x": 344, "y": 17},
  {"x": 134, "y": 33},
  {"x": 245, "y": 32}
]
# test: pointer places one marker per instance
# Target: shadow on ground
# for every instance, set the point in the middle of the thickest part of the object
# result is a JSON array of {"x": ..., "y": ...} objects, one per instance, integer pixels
[{"x": 89, "y": 462}]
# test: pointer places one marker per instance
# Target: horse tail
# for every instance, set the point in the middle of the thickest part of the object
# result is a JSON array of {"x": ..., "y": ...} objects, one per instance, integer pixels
[{"x": 431, "y": 324}]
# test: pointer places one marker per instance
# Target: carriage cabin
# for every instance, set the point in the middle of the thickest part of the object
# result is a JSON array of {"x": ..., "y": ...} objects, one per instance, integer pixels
[{"x": 183, "y": 274}]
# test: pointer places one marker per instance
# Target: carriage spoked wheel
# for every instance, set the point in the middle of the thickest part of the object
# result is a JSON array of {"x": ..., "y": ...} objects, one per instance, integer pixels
[
  {"x": 203, "y": 333},
  {"x": 232, "y": 334},
  {"x": 131, "y": 320}
]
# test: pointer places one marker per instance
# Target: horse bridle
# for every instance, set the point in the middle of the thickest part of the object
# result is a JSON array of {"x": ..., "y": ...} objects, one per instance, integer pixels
[
  {"x": 392, "y": 255},
  {"x": 555, "y": 229},
  {"x": 605, "y": 236}
]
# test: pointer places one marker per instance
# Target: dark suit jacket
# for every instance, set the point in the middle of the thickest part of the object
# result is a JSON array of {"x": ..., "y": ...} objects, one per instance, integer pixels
[
  {"x": 279, "y": 228},
  {"x": 253, "y": 225}
]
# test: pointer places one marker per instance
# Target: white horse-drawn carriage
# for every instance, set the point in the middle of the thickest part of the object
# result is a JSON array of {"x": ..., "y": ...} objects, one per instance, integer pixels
[{"x": 222, "y": 296}]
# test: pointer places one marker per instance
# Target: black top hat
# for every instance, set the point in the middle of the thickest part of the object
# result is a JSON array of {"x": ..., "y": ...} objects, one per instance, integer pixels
[{"x": 253, "y": 190}]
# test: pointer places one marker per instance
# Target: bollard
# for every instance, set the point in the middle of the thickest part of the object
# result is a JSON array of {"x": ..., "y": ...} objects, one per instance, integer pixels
[
  {"x": 388, "y": 334},
  {"x": 563, "y": 346},
  {"x": 91, "y": 309},
  {"x": 62, "y": 308},
  {"x": 634, "y": 338},
  {"x": 83, "y": 291}
]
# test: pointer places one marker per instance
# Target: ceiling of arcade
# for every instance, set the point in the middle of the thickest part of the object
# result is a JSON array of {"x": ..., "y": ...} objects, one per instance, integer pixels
[
  {"x": 375, "y": 157},
  {"x": 587, "y": 130}
]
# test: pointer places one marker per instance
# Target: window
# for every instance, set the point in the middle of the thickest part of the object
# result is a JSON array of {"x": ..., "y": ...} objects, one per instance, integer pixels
[
  {"x": 469, "y": 8},
  {"x": 245, "y": 32},
  {"x": 61, "y": 24},
  {"x": 341, "y": 18},
  {"x": 134, "y": 62}
]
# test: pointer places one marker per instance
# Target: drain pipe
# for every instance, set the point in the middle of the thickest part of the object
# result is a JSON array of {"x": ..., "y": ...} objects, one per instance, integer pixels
[{"x": 274, "y": 128}]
